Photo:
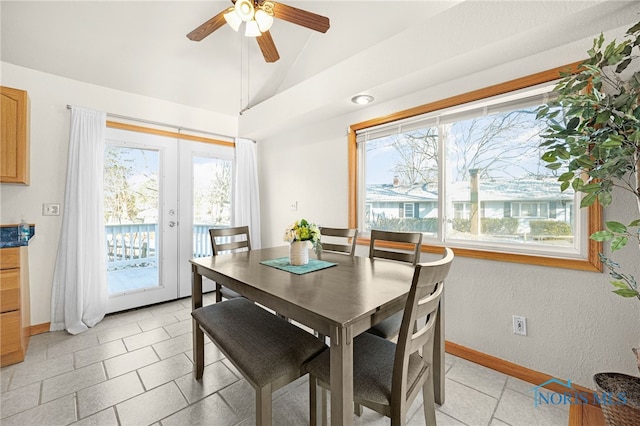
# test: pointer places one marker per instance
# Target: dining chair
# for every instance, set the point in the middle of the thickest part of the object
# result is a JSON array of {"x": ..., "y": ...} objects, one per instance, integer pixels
[
  {"x": 342, "y": 240},
  {"x": 229, "y": 240},
  {"x": 388, "y": 376},
  {"x": 389, "y": 327},
  {"x": 266, "y": 349}
]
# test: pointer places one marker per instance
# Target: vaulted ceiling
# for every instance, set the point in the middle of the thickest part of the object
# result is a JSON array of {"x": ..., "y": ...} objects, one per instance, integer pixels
[{"x": 388, "y": 47}]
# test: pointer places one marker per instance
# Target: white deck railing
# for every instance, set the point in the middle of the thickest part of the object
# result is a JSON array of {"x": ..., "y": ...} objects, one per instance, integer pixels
[{"x": 135, "y": 244}]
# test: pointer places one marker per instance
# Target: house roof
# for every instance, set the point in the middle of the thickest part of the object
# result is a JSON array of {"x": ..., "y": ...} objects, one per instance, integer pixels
[{"x": 544, "y": 189}]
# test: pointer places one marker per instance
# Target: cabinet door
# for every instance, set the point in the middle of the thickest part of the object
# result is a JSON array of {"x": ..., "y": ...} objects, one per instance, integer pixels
[{"x": 14, "y": 142}]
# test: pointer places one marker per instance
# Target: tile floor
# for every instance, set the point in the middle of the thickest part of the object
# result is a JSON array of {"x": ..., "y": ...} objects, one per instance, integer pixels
[{"x": 134, "y": 368}]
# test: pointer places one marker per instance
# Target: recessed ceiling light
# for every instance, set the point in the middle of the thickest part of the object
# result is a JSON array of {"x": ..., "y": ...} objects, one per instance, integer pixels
[{"x": 362, "y": 99}]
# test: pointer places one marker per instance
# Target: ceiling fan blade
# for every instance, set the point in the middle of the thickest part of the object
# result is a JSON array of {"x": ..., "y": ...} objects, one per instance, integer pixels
[
  {"x": 208, "y": 27},
  {"x": 268, "y": 47},
  {"x": 301, "y": 17}
]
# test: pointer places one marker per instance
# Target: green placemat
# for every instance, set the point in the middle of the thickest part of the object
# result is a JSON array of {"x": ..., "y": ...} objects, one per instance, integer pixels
[{"x": 283, "y": 263}]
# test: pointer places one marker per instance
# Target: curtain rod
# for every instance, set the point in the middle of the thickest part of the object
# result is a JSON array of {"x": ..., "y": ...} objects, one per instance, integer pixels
[{"x": 157, "y": 123}]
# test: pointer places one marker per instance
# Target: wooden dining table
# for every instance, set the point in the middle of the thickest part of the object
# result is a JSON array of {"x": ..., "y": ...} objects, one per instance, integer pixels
[{"x": 340, "y": 302}]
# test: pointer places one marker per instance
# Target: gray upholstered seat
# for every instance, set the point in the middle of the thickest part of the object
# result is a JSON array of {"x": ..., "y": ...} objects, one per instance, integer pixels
[
  {"x": 390, "y": 326},
  {"x": 269, "y": 351},
  {"x": 387, "y": 377}
]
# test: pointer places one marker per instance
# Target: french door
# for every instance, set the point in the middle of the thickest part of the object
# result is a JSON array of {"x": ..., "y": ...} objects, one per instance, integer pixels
[{"x": 161, "y": 195}]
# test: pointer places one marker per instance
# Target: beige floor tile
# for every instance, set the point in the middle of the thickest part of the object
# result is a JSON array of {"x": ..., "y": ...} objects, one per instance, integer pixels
[
  {"x": 164, "y": 371},
  {"x": 467, "y": 404},
  {"x": 478, "y": 377},
  {"x": 99, "y": 353},
  {"x": 174, "y": 346},
  {"x": 18, "y": 400},
  {"x": 106, "y": 394},
  {"x": 103, "y": 418},
  {"x": 517, "y": 409},
  {"x": 64, "y": 384},
  {"x": 215, "y": 377},
  {"x": 182, "y": 327},
  {"x": 146, "y": 338},
  {"x": 118, "y": 332},
  {"x": 156, "y": 322},
  {"x": 31, "y": 372},
  {"x": 130, "y": 361},
  {"x": 62, "y": 411},
  {"x": 151, "y": 406},
  {"x": 72, "y": 344},
  {"x": 202, "y": 413}
]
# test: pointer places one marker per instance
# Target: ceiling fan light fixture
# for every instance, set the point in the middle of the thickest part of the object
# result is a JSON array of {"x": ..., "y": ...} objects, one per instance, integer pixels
[
  {"x": 244, "y": 9},
  {"x": 362, "y": 99},
  {"x": 233, "y": 19},
  {"x": 252, "y": 29},
  {"x": 264, "y": 20}
]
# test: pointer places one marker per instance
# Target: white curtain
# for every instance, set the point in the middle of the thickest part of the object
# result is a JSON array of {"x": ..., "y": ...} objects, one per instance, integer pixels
[
  {"x": 79, "y": 295},
  {"x": 246, "y": 196}
]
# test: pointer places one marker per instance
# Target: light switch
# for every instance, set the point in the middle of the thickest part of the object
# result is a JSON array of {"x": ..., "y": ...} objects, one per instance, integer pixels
[
  {"x": 50, "y": 209},
  {"x": 294, "y": 206}
]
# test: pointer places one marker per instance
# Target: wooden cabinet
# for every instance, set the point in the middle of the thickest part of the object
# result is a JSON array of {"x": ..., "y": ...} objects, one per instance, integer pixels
[
  {"x": 15, "y": 318},
  {"x": 14, "y": 137}
]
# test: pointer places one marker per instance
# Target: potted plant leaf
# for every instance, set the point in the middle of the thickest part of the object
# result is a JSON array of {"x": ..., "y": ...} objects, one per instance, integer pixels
[{"x": 593, "y": 140}]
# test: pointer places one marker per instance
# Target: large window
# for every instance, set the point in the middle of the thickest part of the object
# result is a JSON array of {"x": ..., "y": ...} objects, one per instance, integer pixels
[{"x": 469, "y": 175}]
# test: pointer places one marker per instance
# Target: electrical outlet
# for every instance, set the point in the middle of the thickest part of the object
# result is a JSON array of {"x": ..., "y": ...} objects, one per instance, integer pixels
[
  {"x": 519, "y": 325},
  {"x": 294, "y": 206},
  {"x": 50, "y": 209}
]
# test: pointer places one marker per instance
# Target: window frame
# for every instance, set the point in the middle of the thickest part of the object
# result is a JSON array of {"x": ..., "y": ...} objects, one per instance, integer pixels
[{"x": 594, "y": 212}]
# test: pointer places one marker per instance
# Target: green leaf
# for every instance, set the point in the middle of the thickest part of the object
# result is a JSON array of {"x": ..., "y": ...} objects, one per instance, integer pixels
[
  {"x": 563, "y": 153},
  {"x": 602, "y": 236},
  {"x": 590, "y": 188},
  {"x": 566, "y": 176},
  {"x": 619, "y": 284},
  {"x": 616, "y": 227},
  {"x": 618, "y": 242},
  {"x": 564, "y": 186},
  {"x": 635, "y": 223},
  {"x": 573, "y": 123},
  {"x": 605, "y": 198},
  {"x": 603, "y": 117},
  {"x": 549, "y": 156},
  {"x": 588, "y": 200},
  {"x": 554, "y": 166},
  {"x": 626, "y": 292}
]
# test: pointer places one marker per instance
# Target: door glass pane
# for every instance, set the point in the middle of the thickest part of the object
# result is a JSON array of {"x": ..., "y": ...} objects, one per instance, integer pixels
[
  {"x": 211, "y": 200},
  {"x": 131, "y": 206}
]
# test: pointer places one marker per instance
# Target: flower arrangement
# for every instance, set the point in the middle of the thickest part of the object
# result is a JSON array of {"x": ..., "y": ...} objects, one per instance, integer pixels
[{"x": 302, "y": 230}]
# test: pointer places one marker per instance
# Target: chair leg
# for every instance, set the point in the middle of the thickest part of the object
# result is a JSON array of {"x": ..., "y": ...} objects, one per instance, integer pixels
[
  {"x": 357, "y": 409},
  {"x": 263, "y": 406},
  {"x": 313, "y": 402},
  {"x": 428, "y": 396},
  {"x": 198, "y": 351},
  {"x": 218, "y": 293}
]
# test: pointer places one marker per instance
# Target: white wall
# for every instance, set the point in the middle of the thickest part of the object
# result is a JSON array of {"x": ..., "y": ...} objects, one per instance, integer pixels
[
  {"x": 49, "y": 96},
  {"x": 576, "y": 326}
]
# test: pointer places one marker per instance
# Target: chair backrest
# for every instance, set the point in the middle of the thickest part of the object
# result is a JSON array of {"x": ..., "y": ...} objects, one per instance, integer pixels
[
  {"x": 343, "y": 240},
  {"x": 230, "y": 239},
  {"x": 414, "y": 239},
  {"x": 423, "y": 301}
]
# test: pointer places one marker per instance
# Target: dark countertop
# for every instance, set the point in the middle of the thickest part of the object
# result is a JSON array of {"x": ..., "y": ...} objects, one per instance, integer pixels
[{"x": 9, "y": 236}]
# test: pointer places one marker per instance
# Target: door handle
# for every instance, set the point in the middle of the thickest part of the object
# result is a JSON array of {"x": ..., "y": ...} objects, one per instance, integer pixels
[{"x": 172, "y": 224}]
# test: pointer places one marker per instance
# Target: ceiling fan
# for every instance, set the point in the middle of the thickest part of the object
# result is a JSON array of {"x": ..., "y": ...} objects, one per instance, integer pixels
[{"x": 258, "y": 16}]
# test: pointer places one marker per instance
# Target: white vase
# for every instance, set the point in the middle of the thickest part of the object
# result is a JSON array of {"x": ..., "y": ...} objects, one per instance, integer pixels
[{"x": 299, "y": 253}]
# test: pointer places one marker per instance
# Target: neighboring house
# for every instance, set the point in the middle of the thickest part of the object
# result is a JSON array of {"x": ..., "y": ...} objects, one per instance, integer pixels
[{"x": 523, "y": 199}]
